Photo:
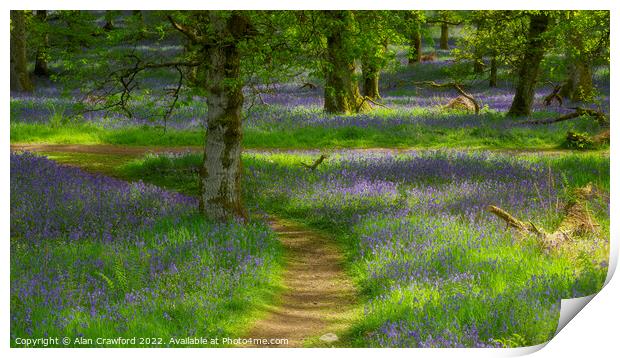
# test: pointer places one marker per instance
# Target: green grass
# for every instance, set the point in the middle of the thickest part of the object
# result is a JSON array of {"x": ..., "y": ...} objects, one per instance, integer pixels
[
  {"x": 314, "y": 137},
  {"x": 215, "y": 310},
  {"x": 574, "y": 269},
  {"x": 500, "y": 287}
]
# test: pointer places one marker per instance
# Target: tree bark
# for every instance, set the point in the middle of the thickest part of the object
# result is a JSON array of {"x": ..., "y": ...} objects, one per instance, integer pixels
[
  {"x": 493, "y": 73},
  {"x": 342, "y": 94},
  {"x": 478, "y": 65},
  {"x": 220, "y": 175},
  {"x": 371, "y": 70},
  {"x": 578, "y": 86},
  {"x": 20, "y": 78},
  {"x": 415, "y": 52},
  {"x": 40, "y": 67},
  {"x": 371, "y": 81},
  {"x": 443, "y": 41},
  {"x": 528, "y": 69}
]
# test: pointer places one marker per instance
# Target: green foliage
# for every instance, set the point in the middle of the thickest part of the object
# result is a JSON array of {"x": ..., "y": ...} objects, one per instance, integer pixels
[
  {"x": 579, "y": 140},
  {"x": 513, "y": 341}
]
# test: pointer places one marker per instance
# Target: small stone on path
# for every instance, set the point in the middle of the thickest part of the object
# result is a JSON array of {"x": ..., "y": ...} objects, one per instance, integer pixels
[{"x": 329, "y": 337}]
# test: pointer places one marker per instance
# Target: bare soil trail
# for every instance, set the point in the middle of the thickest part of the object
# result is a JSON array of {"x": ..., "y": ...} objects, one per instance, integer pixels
[
  {"x": 101, "y": 149},
  {"x": 318, "y": 299},
  {"x": 111, "y": 149}
]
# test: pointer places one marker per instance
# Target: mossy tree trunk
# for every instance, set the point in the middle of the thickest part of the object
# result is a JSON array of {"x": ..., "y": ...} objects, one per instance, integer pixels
[
  {"x": 443, "y": 40},
  {"x": 493, "y": 72},
  {"x": 19, "y": 77},
  {"x": 220, "y": 174},
  {"x": 415, "y": 51},
  {"x": 370, "y": 73},
  {"x": 371, "y": 70},
  {"x": 529, "y": 66},
  {"x": 478, "y": 65},
  {"x": 578, "y": 85},
  {"x": 342, "y": 94},
  {"x": 40, "y": 67}
]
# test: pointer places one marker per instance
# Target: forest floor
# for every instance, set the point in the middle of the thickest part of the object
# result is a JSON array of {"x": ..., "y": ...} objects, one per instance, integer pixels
[
  {"x": 318, "y": 303},
  {"x": 319, "y": 298}
]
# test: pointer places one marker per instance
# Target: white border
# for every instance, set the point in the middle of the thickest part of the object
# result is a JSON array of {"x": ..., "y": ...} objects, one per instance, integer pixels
[{"x": 591, "y": 333}]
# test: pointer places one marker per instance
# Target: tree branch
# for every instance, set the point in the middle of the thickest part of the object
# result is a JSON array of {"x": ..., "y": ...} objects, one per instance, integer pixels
[
  {"x": 579, "y": 111},
  {"x": 185, "y": 31},
  {"x": 577, "y": 221},
  {"x": 316, "y": 163}
]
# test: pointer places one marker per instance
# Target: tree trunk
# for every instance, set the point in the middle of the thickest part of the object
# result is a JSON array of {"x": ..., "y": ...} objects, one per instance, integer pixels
[
  {"x": 20, "y": 78},
  {"x": 584, "y": 86},
  {"x": 220, "y": 175},
  {"x": 415, "y": 52},
  {"x": 370, "y": 73},
  {"x": 528, "y": 69},
  {"x": 40, "y": 67},
  {"x": 478, "y": 65},
  {"x": 568, "y": 87},
  {"x": 493, "y": 74},
  {"x": 371, "y": 69},
  {"x": 443, "y": 41},
  {"x": 342, "y": 94},
  {"x": 578, "y": 86}
]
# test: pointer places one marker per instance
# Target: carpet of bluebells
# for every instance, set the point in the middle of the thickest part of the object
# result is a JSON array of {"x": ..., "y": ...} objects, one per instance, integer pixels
[
  {"x": 437, "y": 270},
  {"x": 94, "y": 256},
  {"x": 434, "y": 268}
]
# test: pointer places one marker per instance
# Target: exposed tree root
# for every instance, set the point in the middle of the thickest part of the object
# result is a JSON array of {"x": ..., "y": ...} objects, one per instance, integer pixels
[
  {"x": 454, "y": 85},
  {"x": 577, "y": 221},
  {"x": 308, "y": 85},
  {"x": 368, "y": 99},
  {"x": 461, "y": 102},
  {"x": 316, "y": 163},
  {"x": 554, "y": 95}
]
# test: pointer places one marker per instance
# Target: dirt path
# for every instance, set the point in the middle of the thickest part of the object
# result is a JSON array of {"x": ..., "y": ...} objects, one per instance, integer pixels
[
  {"x": 140, "y": 150},
  {"x": 100, "y": 148},
  {"x": 318, "y": 298}
]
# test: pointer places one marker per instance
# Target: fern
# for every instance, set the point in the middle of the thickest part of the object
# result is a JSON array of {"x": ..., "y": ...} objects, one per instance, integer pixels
[
  {"x": 512, "y": 341},
  {"x": 107, "y": 280},
  {"x": 120, "y": 275}
]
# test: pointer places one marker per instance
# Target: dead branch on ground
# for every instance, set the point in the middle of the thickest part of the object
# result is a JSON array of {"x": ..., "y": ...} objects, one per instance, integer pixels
[
  {"x": 601, "y": 117},
  {"x": 577, "y": 221},
  {"x": 316, "y": 163}
]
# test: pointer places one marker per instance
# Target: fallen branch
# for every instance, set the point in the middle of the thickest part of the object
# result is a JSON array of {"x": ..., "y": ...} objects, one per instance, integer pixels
[
  {"x": 579, "y": 111},
  {"x": 577, "y": 221},
  {"x": 455, "y": 86},
  {"x": 316, "y": 163}
]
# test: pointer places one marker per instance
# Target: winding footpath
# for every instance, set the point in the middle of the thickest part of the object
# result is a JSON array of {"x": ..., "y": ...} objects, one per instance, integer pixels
[{"x": 319, "y": 300}]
